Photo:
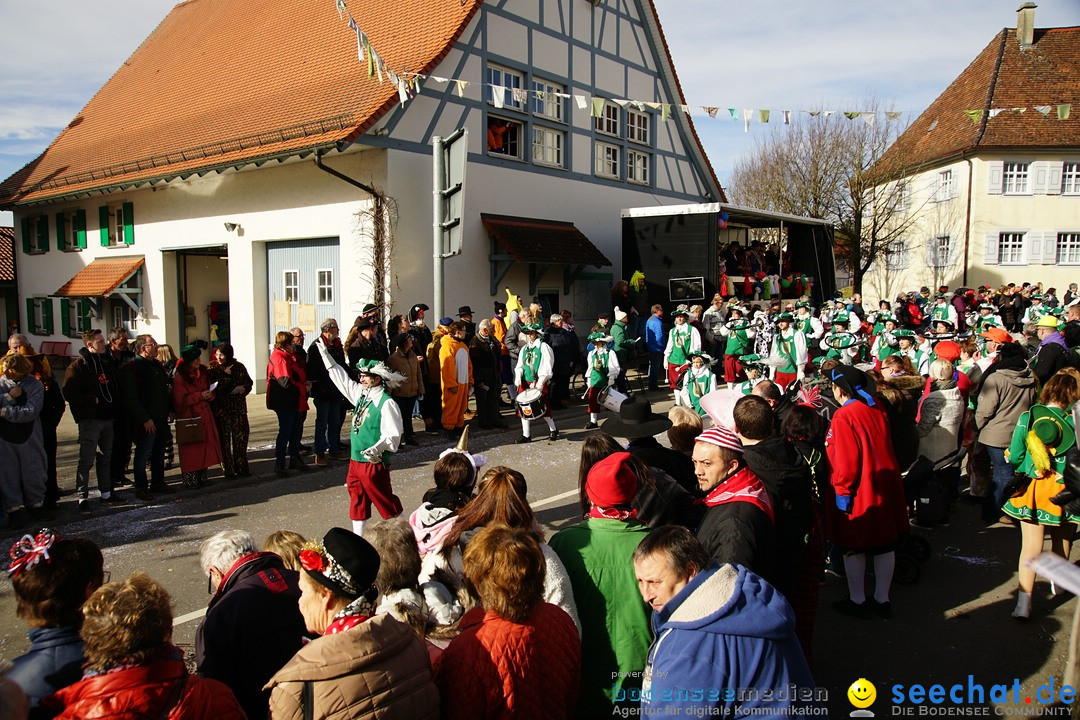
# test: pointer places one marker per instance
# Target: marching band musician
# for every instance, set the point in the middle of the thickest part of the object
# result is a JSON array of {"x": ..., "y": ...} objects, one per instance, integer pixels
[
  {"x": 906, "y": 339},
  {"x": 943, "y": 310},
  {"x": 885, "y": 342},
  {"x": 807, "y": 324},
  {"x": 841, "y": 343},
  {"x": 739, "y": 333},
  {"x": 682, "y": 340},
  {"x": 1035, "y": 311},
  {"x": 698, "y": 380},
  {"x": 603, "y": 369},
  {"x": 788, "y": 355},
  {"x": 754, "y": 366},
  {"x": 534, "y": 369},
  {"x": 988, "y": 318}
]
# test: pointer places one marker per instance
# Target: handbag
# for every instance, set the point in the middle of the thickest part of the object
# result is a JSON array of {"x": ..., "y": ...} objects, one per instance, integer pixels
[{"x": 190, "y": 430}]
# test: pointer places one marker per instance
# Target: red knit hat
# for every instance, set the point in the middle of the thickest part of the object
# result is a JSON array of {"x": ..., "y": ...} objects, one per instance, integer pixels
[
  {"x": 611, "y": 482},
  {"x": 721, "y": 437},
  {"x": 947, "y": 350}
]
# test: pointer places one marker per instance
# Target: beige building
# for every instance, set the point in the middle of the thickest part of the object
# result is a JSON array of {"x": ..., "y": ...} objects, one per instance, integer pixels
[{"x": 990, "y": 172}]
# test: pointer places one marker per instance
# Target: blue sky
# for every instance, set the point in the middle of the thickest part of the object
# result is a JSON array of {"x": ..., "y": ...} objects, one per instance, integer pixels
[{"x": 764, "y": 54}]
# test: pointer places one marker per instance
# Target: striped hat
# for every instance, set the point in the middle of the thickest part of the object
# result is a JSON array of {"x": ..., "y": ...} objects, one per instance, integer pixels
[{"x": 721, "y": 437}]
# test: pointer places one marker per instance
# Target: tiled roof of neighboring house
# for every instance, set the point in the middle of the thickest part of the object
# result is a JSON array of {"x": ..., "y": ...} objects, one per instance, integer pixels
[
  {"x": 100, "y": 277},
  {"x": 7, "y": 254},
  {"x": 1001, "y": 76},
  {"x": 219, "y": 82},
  {"x": 530, "y": 240}
]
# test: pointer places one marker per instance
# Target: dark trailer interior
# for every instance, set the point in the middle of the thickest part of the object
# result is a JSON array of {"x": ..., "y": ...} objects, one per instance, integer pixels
[{"x": 678, "y": 247}]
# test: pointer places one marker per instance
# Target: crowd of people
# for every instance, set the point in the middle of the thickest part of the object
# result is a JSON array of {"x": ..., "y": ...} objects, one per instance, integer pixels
[
  {"x": 135, "y": 405},
  {"x": 696, "y": 567}
]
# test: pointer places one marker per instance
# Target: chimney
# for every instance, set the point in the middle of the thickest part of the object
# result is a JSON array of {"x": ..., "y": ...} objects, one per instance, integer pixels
[{"x": 1025, "y": 25}]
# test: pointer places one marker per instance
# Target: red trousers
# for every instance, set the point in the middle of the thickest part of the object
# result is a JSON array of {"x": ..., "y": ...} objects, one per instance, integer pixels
[
  {"x": 673, "y": 372},
  {"x": 369, "y": 484},
  {"x": 784, "y": 379},
  {"x": 732, "y": 368},
  {"x": 593, "y": 399}
]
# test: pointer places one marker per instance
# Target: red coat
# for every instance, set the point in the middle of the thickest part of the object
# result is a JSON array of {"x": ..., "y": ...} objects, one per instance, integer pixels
[
  {"x": 143, "y": 691},
  {"x": 864, "y": 465},
  {"x": 501, "y": 669},
  {"x": 284, "y": 364},
  {"x": 188, "y": 401}
]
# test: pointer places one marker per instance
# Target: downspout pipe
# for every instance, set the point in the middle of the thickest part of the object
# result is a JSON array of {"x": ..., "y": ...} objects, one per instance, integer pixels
[{"x": 967, "y": 215}]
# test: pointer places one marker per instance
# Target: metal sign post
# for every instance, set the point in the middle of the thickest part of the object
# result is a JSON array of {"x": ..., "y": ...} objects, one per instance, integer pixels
[{"x": 448, "y": 175}]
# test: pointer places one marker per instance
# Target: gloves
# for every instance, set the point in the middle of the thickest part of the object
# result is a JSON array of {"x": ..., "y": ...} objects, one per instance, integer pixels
[
  {"x": 373, "y": 455},
  {"x": 843, "y": 503}
]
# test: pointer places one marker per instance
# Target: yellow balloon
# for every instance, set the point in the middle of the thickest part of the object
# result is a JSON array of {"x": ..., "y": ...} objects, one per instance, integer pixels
[{"x": 862, "y": 693}]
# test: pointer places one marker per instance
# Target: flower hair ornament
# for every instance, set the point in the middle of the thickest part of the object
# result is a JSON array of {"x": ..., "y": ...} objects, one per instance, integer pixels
[
  {"x": 477, "y": 461},
  {"x": 28, "y": 551},
  {"x": 314, "y": 558}
]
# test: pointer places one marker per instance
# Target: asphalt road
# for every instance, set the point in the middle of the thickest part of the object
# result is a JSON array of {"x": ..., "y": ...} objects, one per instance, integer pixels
[{"x": 952, "y": 623}]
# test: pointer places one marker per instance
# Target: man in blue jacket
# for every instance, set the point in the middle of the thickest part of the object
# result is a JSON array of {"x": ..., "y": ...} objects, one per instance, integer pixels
[
  {"x": 654, "y": 343},
  {"x": 725, "y": 639}
]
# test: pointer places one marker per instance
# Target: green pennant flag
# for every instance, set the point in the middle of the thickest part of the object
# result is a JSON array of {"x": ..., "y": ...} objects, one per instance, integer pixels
[
  {"x": 851, "y": 115},
  {"x": 1063, "y": 111},
  {"x": 763, "y": 115},
  {"x": 975, "y": 115},
  {"x": 665, "y": 112},
  {"x": 597, "y": 107}
]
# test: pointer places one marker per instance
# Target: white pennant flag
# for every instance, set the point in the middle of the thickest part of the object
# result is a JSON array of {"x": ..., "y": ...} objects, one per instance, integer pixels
[
  {"x": 747, "y": 114},
  {"x": 461, "y": 87},
  {"x": 620, "y": 103},
  {"x": 994, "y": 112},
  {"x": 341, "y": 8},
  {"x": 868, "y": 117},
  {"x": 498, "y": 96},
  {"x": 787, "y": 116},
  {"x": 581, "y": 102},
  {"x": 402, "y": 92}
]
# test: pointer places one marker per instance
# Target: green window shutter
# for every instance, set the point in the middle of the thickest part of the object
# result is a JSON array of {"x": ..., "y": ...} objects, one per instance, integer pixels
[
  {"x": 26, "y": 235},
  {"x": 43, "y": 233},
  {"x": 30, "y": 327},
  {"x": 103, "y": 219},
  {"x": 129, "y": 223},
  {"x": 65, "y": 317},
  {"x": 61, "y": 241},
  {"x": 80, "y": 227},
  {"x": 46, "y": 315}
]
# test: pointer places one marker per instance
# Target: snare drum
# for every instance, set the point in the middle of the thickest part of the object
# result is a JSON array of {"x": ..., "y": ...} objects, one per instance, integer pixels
[
  {"x": 612, "y": 399},
  {"x": 530, "y": 403}
]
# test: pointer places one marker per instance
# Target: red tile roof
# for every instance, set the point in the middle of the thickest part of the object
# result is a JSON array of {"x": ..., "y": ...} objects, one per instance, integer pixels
[
  {"x": 100, "y": 277},
  {"x": 530, "y": 240},
  {"x": 7, "y": 254},
  {"x": 219, "y": 82},
  {"x": 1001, "y": 76}
]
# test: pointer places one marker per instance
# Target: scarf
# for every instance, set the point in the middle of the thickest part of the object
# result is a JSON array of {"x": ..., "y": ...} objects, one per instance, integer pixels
[
  {"x": 742, "y": 486},
  {"x": 611, "y": 513}
]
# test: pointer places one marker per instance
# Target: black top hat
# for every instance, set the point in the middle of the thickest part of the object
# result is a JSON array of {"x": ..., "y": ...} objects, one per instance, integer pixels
[
  {"x": 347, "y": 565},
  {"x": 464, "y": 310},
  {"x": 636, "y": 420}
]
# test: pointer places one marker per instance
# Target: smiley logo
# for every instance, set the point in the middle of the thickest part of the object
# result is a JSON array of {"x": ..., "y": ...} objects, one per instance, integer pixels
[{"x": 862, "y": 693}]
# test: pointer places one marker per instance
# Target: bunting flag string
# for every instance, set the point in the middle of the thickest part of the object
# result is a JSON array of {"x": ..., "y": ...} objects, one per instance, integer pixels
[{"x": 408, "y": 85}]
